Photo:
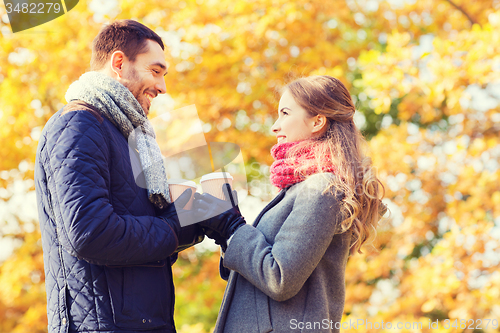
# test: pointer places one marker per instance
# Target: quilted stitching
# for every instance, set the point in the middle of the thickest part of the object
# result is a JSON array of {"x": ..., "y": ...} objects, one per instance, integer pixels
[{"x": 85, "y": 166}]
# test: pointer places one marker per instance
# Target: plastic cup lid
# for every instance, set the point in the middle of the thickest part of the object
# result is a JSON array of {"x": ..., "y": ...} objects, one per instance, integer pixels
[
  {"x": 216, "y": 175},
  {"x": 184, "y": 182}
]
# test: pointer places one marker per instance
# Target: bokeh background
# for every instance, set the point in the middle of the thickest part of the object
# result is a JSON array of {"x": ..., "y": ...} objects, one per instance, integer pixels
[{"x": 425, "y": 77}]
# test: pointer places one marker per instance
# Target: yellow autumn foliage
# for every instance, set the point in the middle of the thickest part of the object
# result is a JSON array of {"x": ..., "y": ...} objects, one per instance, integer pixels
[{"x": 425, "y": 77}]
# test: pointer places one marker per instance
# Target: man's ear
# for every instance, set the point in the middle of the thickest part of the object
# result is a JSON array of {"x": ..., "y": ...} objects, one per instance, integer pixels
[
  {"x": 116, "y": 63},
  {"x": 319, "y": 124}
]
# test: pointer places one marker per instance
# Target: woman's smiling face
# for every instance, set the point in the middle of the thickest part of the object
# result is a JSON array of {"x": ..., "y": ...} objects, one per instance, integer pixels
[{"x": 293, "y": 123}]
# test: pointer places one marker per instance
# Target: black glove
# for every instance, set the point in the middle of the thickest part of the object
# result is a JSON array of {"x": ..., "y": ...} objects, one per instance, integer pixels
[
  {"x": 190, "y": 236},
  {"x": 220, "y": 216},
  {"x": 175, "y": 213},
  {"x": 219, "y": 240}
]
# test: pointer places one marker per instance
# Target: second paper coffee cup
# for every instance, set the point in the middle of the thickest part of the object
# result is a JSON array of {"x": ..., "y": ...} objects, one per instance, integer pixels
[{"x": 211, "y": 183}]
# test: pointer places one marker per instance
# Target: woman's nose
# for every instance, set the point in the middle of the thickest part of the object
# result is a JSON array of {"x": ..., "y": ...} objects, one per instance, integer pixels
[{"x": 275, "y": 127}]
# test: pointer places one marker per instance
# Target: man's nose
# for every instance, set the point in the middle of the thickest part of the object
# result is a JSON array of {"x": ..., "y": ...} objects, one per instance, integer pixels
[{"x": 160, "y": 86}]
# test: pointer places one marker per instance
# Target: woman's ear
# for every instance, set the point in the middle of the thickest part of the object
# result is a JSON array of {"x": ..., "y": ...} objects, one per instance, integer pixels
[{"x": 319, "y": 125}]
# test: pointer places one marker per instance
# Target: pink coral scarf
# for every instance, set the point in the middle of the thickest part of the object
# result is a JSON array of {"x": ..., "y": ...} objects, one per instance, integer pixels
[{"x": 283, "y": 169}]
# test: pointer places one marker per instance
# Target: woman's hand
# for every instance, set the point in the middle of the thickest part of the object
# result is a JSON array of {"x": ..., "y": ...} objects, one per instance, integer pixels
[{"x": 220, "y": 216}]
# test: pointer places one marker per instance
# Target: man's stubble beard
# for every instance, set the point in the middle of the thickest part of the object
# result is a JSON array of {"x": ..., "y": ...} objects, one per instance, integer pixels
[{"x": 137, "y": 92}]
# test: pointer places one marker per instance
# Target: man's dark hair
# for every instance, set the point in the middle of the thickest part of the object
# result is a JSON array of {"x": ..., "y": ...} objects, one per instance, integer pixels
[{"x": 127, "y": 36}]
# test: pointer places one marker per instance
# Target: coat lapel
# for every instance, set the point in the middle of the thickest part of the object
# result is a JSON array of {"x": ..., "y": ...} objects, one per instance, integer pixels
[{"x": 270, "y": 205}]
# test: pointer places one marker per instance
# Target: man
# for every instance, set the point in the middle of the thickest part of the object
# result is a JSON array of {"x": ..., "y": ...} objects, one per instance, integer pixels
[{"x": 109, "y": 243}]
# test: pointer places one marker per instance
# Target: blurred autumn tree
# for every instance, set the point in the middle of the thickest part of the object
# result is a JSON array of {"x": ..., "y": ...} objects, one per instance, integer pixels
[{"x": 425, "y": 76}]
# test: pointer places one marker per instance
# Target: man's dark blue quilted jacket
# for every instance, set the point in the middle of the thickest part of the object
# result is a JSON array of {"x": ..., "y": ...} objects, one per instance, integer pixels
[{"x": 106, "y": 255}]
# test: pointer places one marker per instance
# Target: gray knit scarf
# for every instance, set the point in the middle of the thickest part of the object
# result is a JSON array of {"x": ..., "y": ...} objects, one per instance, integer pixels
[{"x": 119, "y": 106}]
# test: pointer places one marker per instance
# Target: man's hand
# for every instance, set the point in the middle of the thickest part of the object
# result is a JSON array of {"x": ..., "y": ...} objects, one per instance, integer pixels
[{"x": 174, "y": 213}]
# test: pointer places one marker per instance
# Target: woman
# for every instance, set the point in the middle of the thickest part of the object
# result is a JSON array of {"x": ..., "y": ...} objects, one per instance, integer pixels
[{"x": 287, "y": 269}]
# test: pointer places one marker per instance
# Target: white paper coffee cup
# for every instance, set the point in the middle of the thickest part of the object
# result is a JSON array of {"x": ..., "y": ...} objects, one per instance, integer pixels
[{"x": 178, "y": 186}]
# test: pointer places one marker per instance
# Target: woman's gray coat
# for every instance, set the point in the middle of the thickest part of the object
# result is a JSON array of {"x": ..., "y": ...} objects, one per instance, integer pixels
[{"x": 287, "y": 270}]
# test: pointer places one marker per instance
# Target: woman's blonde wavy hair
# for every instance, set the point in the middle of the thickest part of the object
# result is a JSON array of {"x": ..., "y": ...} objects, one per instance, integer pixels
[{"x": 343, "y": 143}]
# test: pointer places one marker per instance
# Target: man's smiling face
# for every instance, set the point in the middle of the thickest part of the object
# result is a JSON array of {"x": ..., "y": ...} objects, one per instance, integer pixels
[{"x": 144, "y": 76}]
